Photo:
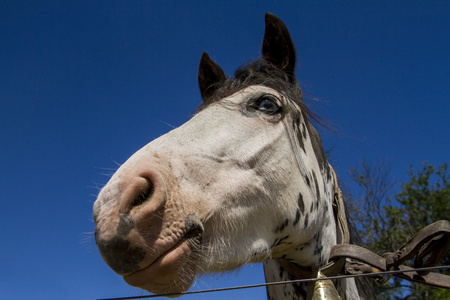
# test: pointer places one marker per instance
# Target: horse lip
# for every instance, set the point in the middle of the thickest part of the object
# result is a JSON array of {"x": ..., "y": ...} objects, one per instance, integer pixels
[
  {"x": 174, "y": 264},
  {"x": 193, "y": 238},
  {"x": 193, "y": 232},
  {"x": 193, "y": 228}
]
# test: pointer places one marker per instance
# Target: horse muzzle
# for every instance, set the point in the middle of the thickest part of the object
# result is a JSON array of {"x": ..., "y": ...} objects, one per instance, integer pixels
[{"x": 143, "y": 236}]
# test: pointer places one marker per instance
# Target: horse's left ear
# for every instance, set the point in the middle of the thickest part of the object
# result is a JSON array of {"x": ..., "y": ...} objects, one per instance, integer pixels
[
  {"x": 278, "y": 47},
  {"x": 210, "y": 76}
]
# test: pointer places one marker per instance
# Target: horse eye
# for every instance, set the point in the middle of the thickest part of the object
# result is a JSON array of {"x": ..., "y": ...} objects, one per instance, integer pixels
[{"x": 268, "y": 105}]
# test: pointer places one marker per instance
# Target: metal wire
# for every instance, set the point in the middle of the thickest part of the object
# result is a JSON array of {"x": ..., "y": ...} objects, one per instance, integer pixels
[{"x": 274, "y": 283}]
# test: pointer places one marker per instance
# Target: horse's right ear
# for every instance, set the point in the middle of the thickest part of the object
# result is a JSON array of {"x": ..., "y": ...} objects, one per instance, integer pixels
[{"x": 210, "y": 76}]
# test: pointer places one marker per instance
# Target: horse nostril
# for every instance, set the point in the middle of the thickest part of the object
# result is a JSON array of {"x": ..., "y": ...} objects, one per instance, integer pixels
[{"x": 144, "y": 194}]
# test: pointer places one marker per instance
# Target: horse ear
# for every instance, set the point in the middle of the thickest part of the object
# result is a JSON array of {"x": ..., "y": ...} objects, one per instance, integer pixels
[
  {"x": 210, "y": 75},
  {"x": 278, "y": 47}
]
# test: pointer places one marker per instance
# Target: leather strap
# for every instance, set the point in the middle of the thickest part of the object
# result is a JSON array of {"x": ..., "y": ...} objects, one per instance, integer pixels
[
  {"x": 342, "y": 232},
  {"x": 428, "y": 246},
  {"x": 432, "y": 243}
]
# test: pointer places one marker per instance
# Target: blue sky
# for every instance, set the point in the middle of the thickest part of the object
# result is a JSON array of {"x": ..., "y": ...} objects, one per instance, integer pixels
[{"x": 84, "y": 84}]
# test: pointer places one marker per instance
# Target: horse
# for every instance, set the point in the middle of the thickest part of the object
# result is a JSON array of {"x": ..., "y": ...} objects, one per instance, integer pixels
[{"x": 245, "y": 180}]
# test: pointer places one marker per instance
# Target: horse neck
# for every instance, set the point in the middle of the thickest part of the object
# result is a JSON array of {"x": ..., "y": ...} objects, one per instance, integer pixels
[{"x": 277, "y": 270}]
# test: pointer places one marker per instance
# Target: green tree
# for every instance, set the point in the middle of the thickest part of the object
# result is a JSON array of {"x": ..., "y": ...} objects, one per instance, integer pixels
[{"x": 386, "y": 222}]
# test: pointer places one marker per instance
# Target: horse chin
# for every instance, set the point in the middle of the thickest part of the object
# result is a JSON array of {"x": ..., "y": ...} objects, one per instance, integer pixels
[{"x": 173, "y": 272}]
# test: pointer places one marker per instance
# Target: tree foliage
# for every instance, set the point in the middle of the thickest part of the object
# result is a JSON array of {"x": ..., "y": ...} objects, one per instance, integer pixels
[{"x": 387, "y": 221}]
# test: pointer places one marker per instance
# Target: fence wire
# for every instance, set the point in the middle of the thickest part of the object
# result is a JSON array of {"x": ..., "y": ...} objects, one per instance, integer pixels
[{"x": 273, "y": 283}]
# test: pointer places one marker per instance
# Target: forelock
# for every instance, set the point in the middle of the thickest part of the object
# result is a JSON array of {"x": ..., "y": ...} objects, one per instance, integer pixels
[{"x": 259, "y": 72}]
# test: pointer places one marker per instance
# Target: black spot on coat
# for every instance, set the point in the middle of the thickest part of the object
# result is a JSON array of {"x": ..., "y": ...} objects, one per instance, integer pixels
[
  {"x": 297, "y": 218},
  {"x": 301, "y": 203},
  {"x": 316, "y": 184},
  {"x": 282, "y": 226}
]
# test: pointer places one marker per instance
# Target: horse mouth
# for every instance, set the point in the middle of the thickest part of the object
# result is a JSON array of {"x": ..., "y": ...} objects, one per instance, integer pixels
[{"x": 174, "y": 271}]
